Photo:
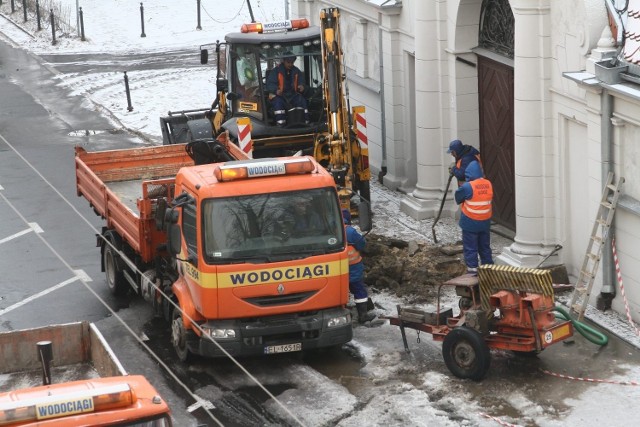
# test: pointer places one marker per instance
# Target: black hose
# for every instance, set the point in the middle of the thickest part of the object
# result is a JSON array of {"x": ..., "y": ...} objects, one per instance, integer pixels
[{"x": 591, "y": 334}]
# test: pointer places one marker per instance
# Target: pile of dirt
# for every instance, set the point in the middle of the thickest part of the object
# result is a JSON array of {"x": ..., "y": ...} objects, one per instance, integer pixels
[{"x": 409, "y": 269}]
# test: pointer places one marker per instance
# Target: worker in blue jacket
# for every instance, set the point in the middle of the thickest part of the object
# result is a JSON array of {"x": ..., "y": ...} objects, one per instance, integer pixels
[
  {"x": 475, "y": 197},
  {"x": 463, "y": 155},
  {"x": 357, "y": 287}
]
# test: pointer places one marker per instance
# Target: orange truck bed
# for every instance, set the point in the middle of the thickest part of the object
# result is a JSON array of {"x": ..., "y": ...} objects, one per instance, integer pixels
[{"x": 117, "y": 184}]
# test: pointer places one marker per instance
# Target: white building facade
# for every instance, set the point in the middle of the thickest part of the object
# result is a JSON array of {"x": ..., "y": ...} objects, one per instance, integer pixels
[{"x": 516, "y": 79}]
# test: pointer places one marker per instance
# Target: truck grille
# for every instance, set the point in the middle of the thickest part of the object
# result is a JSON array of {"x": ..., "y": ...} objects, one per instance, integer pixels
[{"x": 269, "y": 301}]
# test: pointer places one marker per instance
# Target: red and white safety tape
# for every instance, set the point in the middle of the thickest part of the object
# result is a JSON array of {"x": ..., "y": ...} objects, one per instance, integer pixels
[
  {"x": 589, "y": 380},
  {"x": 624, "y": 297},
  {"x": 498, "y": 420}
]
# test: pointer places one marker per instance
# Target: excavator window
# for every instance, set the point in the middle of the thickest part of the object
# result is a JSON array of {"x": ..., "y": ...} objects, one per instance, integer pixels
[
  {"x": 251, "y": 64},
  {"x": 247, "y": 84}
]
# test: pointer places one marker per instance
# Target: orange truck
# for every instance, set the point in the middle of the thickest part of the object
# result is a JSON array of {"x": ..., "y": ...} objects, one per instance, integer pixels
[
  {"x": 95, "y": 389},
  {"x": 241, "y": 256}
]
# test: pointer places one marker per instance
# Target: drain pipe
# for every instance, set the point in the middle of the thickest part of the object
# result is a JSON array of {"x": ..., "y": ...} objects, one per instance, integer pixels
[
  {"x": 608, "y": 291},
  {"x": 383, "y": 121}
]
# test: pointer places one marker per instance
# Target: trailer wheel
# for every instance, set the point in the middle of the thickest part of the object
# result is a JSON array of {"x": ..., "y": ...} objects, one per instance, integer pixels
[
  {"x": 179, "y": 336},
  {"x": 115, "y": 275},
  {"x": 466, "y": 354}
]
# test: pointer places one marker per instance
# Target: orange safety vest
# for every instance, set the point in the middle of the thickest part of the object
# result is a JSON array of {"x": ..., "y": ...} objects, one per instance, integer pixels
[
  {"x": 281, "y": 82},
  {"x": 354, "y": 255},
  {"x": 478, "y": 207},
  {"x": 459, "y": 162}
]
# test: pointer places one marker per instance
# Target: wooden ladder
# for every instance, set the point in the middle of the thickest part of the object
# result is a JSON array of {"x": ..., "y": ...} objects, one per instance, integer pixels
[{"x": 604, "y": 218}]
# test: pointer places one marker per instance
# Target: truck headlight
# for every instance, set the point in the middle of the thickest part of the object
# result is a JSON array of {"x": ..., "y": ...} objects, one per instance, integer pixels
[
  {"x": 220, "y": 333},
  {"x": 339, "y": 321}
]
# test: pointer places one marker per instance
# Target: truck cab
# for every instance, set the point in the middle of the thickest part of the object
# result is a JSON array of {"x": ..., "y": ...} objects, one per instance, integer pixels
[{"x": 262, "y": 251}]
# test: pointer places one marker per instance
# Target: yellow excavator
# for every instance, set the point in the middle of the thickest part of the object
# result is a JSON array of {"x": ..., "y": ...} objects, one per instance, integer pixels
[{"x": 335, "y": 133}]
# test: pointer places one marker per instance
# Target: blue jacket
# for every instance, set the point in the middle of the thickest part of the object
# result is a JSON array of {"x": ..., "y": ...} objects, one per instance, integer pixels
[
  {"x": 289, "y": 78},
  {"x": 464, "y": 156},
  {"x": 465, "y": 192},
  {"x": 357, "y": 240}
]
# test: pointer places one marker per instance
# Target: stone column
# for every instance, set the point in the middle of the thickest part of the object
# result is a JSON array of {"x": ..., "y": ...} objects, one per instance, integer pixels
[
  {"x": 424, "y": 201},
  {"x": 533, "y": 131}
]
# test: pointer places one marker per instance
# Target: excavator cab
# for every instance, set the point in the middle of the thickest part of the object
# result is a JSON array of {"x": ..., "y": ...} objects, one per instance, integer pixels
[
  {"x": 251, "y": 57},
  {"x": 333, "y": 132}
]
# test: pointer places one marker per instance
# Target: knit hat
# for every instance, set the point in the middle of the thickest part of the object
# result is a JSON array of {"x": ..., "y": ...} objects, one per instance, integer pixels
[{"x": 455, "y": 146}]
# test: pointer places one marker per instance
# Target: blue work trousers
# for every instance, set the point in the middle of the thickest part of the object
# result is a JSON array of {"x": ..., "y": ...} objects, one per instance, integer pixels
[
  {"x": 281, "y": 104},
  {"x": 359, "y": 291},
  {"x": 474, "y": 244}
]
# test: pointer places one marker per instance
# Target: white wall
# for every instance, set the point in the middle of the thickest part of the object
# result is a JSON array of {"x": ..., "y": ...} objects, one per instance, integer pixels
[{"x": 567, "y": 37}]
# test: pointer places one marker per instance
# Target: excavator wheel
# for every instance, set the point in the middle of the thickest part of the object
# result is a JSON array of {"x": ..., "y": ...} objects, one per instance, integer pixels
[
  {"x": 113, "y": 269},
  {"x": 466, "y": 354},
  {"x": 179, "y": 337}
]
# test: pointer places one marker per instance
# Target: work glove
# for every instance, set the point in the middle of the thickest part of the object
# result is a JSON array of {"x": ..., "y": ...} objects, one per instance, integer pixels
[{"x": 452, "y": 166}]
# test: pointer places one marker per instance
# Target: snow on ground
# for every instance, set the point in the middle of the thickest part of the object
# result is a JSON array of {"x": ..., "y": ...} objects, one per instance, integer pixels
[{"x": 409, "y": 389}]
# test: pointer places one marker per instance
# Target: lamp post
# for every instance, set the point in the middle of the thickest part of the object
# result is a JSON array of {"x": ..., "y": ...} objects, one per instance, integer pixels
[{"x": 78, "y": 16}]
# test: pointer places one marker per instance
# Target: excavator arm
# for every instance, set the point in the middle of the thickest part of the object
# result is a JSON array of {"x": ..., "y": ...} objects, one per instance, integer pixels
[{"x": 339, "y": 150}]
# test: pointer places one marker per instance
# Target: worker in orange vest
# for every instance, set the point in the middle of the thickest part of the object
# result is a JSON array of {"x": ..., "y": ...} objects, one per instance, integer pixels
[
  {"x": 357, "y": 287},
  {"x": 285, "y": 85},
  {"x": 463, "y": 155},
  {"x": 475, "y": 197}
]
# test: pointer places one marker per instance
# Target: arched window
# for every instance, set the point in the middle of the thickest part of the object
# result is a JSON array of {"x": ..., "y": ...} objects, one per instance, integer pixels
[{"x": 496, "y": 27}]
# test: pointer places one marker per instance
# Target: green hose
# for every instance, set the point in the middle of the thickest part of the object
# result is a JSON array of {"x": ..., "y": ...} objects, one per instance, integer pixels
[{"x": 588, "y": 332}]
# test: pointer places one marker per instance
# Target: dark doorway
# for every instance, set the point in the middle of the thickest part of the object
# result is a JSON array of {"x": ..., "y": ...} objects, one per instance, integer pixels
[{"x": 495, "y": 91}]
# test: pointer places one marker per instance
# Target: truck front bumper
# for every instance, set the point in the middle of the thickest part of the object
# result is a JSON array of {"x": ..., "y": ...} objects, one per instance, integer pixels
[{"x": 275, "y": 334}]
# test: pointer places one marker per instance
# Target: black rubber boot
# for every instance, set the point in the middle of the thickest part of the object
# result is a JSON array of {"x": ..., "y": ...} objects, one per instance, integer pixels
[{"x": 363, "y": 314}]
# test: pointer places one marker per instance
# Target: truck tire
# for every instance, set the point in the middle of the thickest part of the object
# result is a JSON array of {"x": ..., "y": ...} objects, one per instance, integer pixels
[
  {"x": 115, "y": 275},
  {"x": 466, "y": 354},
  {"x": 179, "y": 336}
]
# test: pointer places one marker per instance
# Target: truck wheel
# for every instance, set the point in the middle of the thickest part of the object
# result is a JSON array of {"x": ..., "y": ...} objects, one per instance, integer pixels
[
  {"x": 179, "y": 336},
  {"x": 466, "y": 354},
  {"x": 115, "y": 276}
]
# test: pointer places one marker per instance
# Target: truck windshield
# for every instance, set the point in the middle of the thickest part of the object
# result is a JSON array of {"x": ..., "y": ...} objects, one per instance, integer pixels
[
  {"x": 163, "y": 421},
  {"x": 272, "y": 227}
]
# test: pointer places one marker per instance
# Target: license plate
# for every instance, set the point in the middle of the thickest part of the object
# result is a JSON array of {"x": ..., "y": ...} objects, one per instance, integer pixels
[{"x": 285, "y": 348}]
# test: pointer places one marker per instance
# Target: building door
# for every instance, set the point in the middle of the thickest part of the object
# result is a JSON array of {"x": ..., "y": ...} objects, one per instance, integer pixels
[
  {"x": 495, "y": 91},
  {"x": 495, "y": 104}
]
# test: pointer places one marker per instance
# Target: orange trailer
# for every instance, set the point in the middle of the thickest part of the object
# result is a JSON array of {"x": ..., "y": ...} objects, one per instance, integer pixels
[{"x": 504, "y": 307}]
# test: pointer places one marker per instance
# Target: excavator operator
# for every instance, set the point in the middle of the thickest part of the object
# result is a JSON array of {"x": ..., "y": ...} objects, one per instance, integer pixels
[{"x": 285, "y": 85}]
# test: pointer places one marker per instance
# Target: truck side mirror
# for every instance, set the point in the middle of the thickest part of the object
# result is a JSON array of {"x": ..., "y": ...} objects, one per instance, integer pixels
[
  {"x": 364, "y": 216},
  {"x": 222, "y": 85},
  {"x": 174, "y": 234},
  {"x": 170, "y": 216},
  {"x": 174, "y": 237},
  {"x": 204, "y": 56}
]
